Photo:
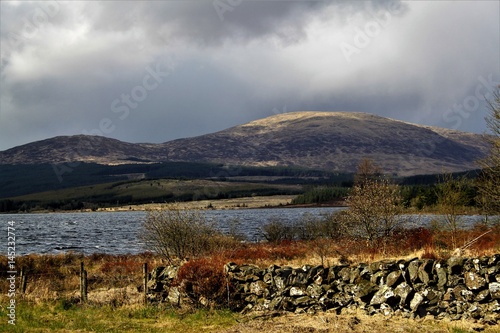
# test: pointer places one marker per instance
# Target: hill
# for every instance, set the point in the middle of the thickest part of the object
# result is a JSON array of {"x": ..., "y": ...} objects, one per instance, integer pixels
[{"x": 334, "y": 141}]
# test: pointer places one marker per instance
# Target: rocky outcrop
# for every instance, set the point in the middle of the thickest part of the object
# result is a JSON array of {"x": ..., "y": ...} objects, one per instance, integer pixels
[{"x": 457, "y": 288}]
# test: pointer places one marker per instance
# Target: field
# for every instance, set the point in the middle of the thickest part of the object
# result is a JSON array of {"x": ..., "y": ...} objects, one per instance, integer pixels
[
  {"x": 144, "y": 191},
  {"x": 52, "y": 303},
  {"x": 61, "y": 317}
]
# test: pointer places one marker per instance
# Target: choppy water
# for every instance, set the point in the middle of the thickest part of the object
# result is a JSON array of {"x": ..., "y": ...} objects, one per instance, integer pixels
[{"x": 118, "y": 232}]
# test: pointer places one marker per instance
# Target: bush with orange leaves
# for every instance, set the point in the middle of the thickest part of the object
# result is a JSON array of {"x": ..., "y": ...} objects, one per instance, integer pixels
[{"x": 203, "y": 280}]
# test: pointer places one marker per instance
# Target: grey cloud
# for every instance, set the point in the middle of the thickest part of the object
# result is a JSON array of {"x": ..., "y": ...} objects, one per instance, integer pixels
[{"x": 262, "y": 58}]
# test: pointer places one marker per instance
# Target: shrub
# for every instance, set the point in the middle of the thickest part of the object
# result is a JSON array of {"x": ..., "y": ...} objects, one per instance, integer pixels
[
  {"x": 276, "y": 231},
  {"x": 178, "y": 234},
  {"x": 204, "y": 281}
]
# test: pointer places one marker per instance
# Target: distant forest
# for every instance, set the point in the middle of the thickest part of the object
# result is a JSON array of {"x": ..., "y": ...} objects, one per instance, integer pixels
[{"x": 18, "y": 183}]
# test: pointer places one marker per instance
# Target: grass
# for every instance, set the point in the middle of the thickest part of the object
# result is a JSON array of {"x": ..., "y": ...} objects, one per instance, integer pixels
[
  {"x": 64, "y": 316},
  {"x": 147, "y": 191},
  {"x": 58, "y": 316}
]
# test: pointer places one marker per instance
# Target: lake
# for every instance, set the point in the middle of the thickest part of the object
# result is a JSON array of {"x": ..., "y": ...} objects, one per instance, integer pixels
[{"x": 118, "y": 232}]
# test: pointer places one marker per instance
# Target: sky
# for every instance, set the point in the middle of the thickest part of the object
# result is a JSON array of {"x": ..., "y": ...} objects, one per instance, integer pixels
[{"x": 155, "y": 71}]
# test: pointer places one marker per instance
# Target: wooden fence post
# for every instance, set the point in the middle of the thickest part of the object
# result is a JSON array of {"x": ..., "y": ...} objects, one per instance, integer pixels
[
  {"x": 83, "y": 282},
  {"x": 85, "y": 285},
  {"x": 24, "y": 280},
  {"x": 145, "y": 273}
]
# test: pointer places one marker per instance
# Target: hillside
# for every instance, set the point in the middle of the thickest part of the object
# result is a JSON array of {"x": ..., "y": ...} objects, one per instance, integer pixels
[{"x": 334, "y": 141}]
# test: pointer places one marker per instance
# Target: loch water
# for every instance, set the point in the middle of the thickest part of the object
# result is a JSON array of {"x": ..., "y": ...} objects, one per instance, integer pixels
[{"x": 118, "y": 232}]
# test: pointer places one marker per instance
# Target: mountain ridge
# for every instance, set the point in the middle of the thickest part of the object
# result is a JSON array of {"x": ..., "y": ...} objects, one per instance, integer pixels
[{"x": 334, "y": 141}]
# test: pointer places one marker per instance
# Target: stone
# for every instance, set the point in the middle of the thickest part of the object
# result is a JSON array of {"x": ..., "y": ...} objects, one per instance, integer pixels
[
  {"x": 425, "y": 272},
  {"x": 455, "y": 265},
  {"x": 454, "y": 280},
  {"x": 231, "y": 267},
  {"x": 386, "y": 309},
  {"x": 394, "y": 278},
  {"x": 315, "y": 291},
  {"x": 275, "y": 303},
  {"x": 297, "y": 291},
  {"x": 482, "y": 296},
  {"x": 442, "y": 277},
  {"x": 258, "y": 288},
  {"x": 299, "y": 277},
  {"x": 494, "y": 306},
  {"x": 280, "y": 282},
  {"x": 382, "y": 296},
  {"x": 345, "y": 274},
  {"x": 449, "y": 295},
  {"x": 412, "y": 270},
  {"x": 417, "y": 300},
  {"x": 494, "y": 289},
  {"x": 474, "y": 281},
  {"x": 268, "y": 278},
  {"x": 463, "y": 294},
  {"x": 494, "y": 260},
  {"x": 404, "y": 292},
  {"x": 378, "y": 278},
  {"x": 303, "y": 301},
  {"x": 174, "y": 296},
  {"x": 365, "y": 289},
  {"x": 432, "y": 296}
]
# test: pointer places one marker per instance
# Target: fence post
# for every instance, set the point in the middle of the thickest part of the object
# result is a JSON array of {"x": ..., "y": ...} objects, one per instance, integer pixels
[
  {"x": 85, "y": 285},
  {"x": 145, "y": 273},
  {"x": 23, "y": 280},
  {"x": 83, "y": 282}
]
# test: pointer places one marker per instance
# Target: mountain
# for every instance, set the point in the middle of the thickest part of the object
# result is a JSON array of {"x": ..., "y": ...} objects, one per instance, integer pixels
[{"x": 334, "y": 141}]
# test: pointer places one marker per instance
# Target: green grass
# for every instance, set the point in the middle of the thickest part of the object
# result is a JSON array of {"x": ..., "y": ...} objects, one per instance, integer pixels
[
  {"x": 62, "y": 316},
  {"x": 147, "y": 191}
]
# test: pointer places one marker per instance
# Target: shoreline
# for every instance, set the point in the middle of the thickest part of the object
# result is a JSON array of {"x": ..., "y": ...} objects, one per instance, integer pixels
[{"x": 256, "y": 202}]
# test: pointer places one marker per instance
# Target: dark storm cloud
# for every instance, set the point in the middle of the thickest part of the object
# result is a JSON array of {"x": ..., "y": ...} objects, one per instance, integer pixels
[{"x": 89, "y": 67}]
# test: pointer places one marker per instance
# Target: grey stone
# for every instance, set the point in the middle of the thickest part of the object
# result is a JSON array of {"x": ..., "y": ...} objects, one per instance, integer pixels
[
  {"x": 494, "y": 288},
  {"x": 455, "y": 265},
  {"x": 404, "y": 292},
  {"x": 394, "y": 278},
  {"x": 345, "y": 274},
  {"x": 418, "y": 299},
  {"x": 303, "y": 301},
  {"x": 412, "y": 270},
  {"x": 378, "y": 278},
  {"x": 365, "y": 289},
  {"x": 482, "y": 296},
  {"x": 297, "y": 291},
  {"x": 474, "y": 281},
  {"x": 258, "y": 288},
  {"x": 442, "y": 277},
  {"x": 425, "y": 272},
  {"x": 315, "y": 291},
  {"x": 382, "y": 296}
]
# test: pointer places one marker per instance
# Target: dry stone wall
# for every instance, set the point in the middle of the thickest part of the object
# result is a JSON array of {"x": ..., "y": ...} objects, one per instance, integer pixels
[{"x": 455, "y": 288}]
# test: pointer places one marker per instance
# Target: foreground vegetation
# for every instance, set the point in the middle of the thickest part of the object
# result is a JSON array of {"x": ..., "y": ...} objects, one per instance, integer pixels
[
  {"x": 51, "y": 302},
  {"x": 59, "y": 316}
]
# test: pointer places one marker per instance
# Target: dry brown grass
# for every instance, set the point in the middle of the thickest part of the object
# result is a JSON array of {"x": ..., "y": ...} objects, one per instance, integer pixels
[{"x": 351, "y": 321}]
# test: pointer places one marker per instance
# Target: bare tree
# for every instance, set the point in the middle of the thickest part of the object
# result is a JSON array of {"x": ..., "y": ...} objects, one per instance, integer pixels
[
  {"x": 374, "y": 204},
  {"x": 489, "y": 180},
  {"x": 178, "y": 234},
  {"x": 450, "y": 193}
]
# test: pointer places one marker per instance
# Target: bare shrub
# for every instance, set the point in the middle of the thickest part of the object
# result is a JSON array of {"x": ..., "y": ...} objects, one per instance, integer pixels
[
  {"x": 178, "y": 234},
  {"x": 375, "y": 204},
  {"x": 277, "y": 230}
]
